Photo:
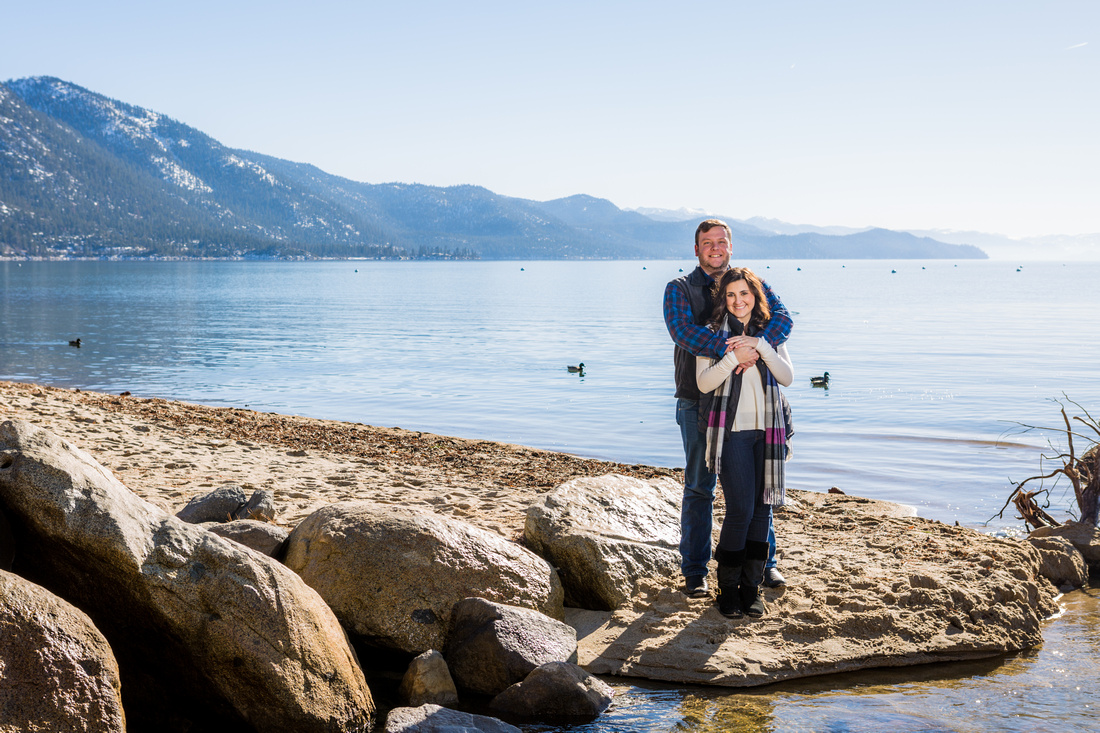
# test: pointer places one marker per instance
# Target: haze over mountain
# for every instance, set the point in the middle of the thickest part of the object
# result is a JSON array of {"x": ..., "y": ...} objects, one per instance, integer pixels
[
  {"x": 996, "y": 246},
  {"x": 83, "y": 175}
]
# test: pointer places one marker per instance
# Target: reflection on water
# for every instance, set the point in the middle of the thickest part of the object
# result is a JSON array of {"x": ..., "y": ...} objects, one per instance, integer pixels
[{"x": 1053, "y": 688}]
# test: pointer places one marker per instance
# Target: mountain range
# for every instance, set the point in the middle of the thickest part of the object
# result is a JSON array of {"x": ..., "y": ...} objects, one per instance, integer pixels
[{"x": 83, "y": 175}]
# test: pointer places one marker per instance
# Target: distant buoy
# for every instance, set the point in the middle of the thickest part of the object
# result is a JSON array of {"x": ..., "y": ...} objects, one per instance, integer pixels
[
  {"x": 893, "y": 272},
  {"x": 799, "y": 269},
  {"x": 357, "y": 270},
  {"x": 521, "y": 269},
  {"x": 681, "y": 269},
  {"x": 643, "y": 267}
]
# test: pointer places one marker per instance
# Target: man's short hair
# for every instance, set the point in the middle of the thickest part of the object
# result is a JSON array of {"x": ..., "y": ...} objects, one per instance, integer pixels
[{"x": 709, "y": 224}]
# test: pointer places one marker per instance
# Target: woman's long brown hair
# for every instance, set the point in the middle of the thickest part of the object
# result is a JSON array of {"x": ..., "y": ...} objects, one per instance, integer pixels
[{"x": 760, "y": 311}]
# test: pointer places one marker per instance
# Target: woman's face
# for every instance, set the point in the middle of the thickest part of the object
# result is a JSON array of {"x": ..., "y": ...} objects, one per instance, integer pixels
[{"x": 740, "y": 300}]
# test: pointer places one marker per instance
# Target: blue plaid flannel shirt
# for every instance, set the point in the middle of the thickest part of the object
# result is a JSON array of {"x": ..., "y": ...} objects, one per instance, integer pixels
[{"x": 701, "y": 341}]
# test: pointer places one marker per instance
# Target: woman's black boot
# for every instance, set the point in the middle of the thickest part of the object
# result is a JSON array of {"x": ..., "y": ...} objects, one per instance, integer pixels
[
  {"x": 729, "y": 575},
  {"x": 752, "y": 575}
]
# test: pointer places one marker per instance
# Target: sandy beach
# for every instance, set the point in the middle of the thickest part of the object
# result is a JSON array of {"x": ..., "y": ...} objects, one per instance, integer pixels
[
  {"x": 871, "y": 584},
  {"x": 168, "y": 452}
]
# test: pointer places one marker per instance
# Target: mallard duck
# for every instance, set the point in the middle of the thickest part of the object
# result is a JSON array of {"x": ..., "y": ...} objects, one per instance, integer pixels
[
  {"x": 822, "y": 381},
  {"x": 75, "y": 343},
  {"x": 576, "y": 368}
]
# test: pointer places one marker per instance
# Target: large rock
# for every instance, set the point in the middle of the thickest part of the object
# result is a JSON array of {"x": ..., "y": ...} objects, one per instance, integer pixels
[
  {"x": 555, "y": 690},
  {"x": 1085, "y": 537},
  {"x": 435, "y": 719},
  {"x": 263, "y": 537},
  {"x": 428, "y": 680},
  {"x": 57, "y": 672},
  {"x": 206, "y": 633},
  {"x": 867, "y": 590},
  {"x": 605, "y": 533},
  {"x": 1061, "y": 564},
  {"x": 492, "y": 646},
  {"x": 393, "y": 574}
]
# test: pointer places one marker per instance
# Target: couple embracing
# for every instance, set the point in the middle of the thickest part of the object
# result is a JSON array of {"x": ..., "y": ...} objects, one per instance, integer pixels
[{"x": 730, "y": 331}]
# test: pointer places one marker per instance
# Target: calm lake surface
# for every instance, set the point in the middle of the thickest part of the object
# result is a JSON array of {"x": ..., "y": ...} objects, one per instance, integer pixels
[{"x": 934, "y": 365}]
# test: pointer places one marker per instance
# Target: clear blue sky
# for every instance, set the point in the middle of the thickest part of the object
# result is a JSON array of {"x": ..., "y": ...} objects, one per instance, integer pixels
[{"x": 960, "y": 115}]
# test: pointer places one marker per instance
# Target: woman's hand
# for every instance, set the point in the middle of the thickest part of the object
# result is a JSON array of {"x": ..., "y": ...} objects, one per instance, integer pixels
[{"x": 742, "y": 342}]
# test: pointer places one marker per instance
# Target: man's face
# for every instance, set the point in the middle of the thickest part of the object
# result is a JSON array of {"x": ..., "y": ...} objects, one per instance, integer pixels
[{"x": 713, "y": 250}]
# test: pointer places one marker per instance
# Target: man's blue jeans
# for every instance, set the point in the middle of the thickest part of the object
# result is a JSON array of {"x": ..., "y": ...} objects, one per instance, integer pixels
[
  {"x": 696, "y": 512},
  {"x": 698, "y": 504}
]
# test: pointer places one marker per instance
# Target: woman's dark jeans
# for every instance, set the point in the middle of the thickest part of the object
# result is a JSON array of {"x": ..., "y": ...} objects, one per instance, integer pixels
[{"x": 748, "y": 518}]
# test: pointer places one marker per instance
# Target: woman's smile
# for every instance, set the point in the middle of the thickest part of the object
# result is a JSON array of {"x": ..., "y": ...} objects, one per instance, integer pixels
[{"x": 740, "y": 300}]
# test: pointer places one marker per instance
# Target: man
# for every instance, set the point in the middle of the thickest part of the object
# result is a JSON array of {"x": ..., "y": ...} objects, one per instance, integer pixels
[{"x": 687, "y": 306}]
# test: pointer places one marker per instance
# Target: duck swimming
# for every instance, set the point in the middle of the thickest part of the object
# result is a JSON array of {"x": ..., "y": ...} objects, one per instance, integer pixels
[
  {"x": 577, "y": 368},
  {"x": 820, "y": 381},
  {"x": 75, "y": 344}
]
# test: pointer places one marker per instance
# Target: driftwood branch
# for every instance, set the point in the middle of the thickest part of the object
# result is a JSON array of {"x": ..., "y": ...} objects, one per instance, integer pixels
[
  {"x": 1083, "y": 473},
  {"x": 1031, "y": 512}
]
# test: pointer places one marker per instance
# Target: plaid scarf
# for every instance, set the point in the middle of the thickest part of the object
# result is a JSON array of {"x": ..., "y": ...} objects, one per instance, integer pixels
[{"x": 775, "y": 432}]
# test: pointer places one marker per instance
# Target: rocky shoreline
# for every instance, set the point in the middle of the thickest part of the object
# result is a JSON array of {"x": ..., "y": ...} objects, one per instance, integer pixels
[{"x": 870, "y": 584}]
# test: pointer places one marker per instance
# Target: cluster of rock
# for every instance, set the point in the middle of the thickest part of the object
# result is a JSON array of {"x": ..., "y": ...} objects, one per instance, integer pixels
[
  {"x": 184, "y": 629},
  {"x": 206, "y": 633},
  {"x": 215, "y": 618}
]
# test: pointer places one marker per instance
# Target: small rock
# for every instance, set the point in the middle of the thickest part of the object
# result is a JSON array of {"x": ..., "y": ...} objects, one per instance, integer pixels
[
  {"x": 428, "y": 680},
  {"x": 217, "y": 506},
  {"x": 555, "y": 690},
  {"x": 1085, "y": 537},
  {"x": 262, "y": 537},
  {"x": 1061, "y": 564},
  {"x": 492, "y": 646},
  {"x": 436, "y": 719},
  {"x": 260, "y": 507}
]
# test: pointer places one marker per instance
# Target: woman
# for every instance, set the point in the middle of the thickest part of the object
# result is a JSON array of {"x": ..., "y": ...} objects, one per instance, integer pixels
[{"x": 746, "y": 437}]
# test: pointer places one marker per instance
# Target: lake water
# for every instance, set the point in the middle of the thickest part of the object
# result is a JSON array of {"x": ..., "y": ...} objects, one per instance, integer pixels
[{"x": 933, "y": 365}]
